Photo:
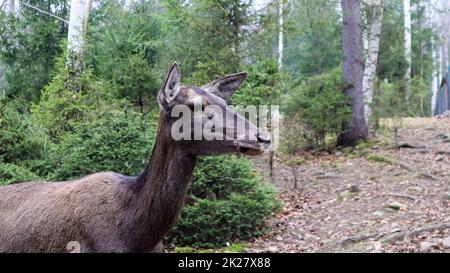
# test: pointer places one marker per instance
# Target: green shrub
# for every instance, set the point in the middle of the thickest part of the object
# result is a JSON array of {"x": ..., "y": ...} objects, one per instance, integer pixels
[
  {"x": 263, "y": 86},
  {"x": 22, "y": 141},
  {"x": 93, "y": 131},
  {"x": 390, "y": 104},
  {"x": 218, "y": 177},
  {"x": 61, "y": 107},
  {"x": 319, "y": 104},
  {"x": 226, "y": 202},
  {"x": 419, "y": 98},
  {"x": 125, "y": 48},
  {"x": 11, "y": 174},
  {"x": 119, "y": 143}
]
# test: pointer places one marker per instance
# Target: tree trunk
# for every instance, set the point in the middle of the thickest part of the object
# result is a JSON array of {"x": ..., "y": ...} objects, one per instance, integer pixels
[
  {"x": 356, "y": 129},
  {"x": 365, "y": 39},
  {"x": 280, "y": 34},
  {"x": 128, "y": 5},
  {"x": 444, "y": 21},
  {"x": 12, "y": 6},
  {"x": 444, "y": 56},
  {"x": 407, "y": 44},
  {"x": 435, "y": 81},
  {"x": 79, "y": 14},
  {"x": 439, "y": 68},
  {"x": 372, "y": 57}
]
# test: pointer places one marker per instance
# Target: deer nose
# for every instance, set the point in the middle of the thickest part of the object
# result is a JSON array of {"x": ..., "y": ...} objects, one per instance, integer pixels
[{"x": 263, "y": 139}]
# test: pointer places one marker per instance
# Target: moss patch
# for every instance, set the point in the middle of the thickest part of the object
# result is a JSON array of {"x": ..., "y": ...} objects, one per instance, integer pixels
[{"x": 233, "y": 248}]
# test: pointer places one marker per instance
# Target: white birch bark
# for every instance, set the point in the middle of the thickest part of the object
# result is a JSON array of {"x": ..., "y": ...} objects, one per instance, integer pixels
[
  {"x": 371, "y": 61},
  {"x": 365, "y": 38},
  {"x": 407, "y": 44},
  {"x": 445, "y": 57},
  {"x": 128, "y": 5},
  {"x": 12, "y": 6},
  {"x": 445, "y": 25},
  {"x": 79, "y": 15},
  {"x": 440, "y": 71},
  {"x": 435, "y": 81},
  {"x": 280, "y": 34}
]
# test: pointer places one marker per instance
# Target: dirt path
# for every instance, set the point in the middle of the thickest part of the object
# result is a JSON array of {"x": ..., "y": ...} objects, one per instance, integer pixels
[{"x": 367, "y": 200}]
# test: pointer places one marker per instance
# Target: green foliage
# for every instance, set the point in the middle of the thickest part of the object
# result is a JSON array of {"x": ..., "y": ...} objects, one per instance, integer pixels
[
  {"x": 390, "y": 104},
  {"x": 391, "y": 101},
  {"x": 23, "y": 141},
  {"x": 263, "y": 86},
  {"x": 313, "y": 40},
  {"x": 93, "y": 131},
  {"x": 419, "y": 97},
  {"x": 233, "y": 248},
  {"x": 68, "y": 101},
  {"x": 11, "y": 174},
  {"x": 218, "y": 177},
  {"x": 379, "y": 158},
  {"x": 29, "y": 44},
  {"x": 124, "y": 50},
  {"x": 216, "y": 29},
  {"x": 114, "y": 143},
  {"x": 392, "y": 63},
  {"x": 207, "y": 71},
  {"x": 319, "y": 104},
  {"x": 227, "y": 202}
]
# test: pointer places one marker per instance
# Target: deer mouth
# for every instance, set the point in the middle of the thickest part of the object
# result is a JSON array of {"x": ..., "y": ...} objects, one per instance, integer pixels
[{"x": 250, "y": 148}]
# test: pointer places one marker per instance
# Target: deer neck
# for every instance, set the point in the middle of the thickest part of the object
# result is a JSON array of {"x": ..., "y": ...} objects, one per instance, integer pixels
[{"x": 159, "y": 192}]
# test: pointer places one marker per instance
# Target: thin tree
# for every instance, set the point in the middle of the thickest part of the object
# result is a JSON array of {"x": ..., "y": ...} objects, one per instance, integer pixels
[
  {"x": 280, "y": 34},
  {"x": 407, "y": 45},
  {"x": 373, "y": 46},
  {"x": 356, "y": 128},
  {"x": 444, "y": 21},
  {"x": 79, "y": 15},
  {"x": 435, "y": 79}
]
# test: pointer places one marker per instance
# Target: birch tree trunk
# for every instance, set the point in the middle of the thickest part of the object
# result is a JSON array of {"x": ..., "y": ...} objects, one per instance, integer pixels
[
  {"x": 365, "y": 39},
  {"x": 12, "y": 6},
  {"x": 444, "y": 55},
  {"x": 407, "y": 44},
  {"x": 435, "y": 81},
  {"x": 353, "y": 61},
  {"x": 440, "y": 71},
  {"x": 372, "y": 57},
  {"x": 79, "y": 15},
  {"x": 280, "y": 34},
  {"x": 128, "y": 5},
  {"x": 444, "y": 20}
]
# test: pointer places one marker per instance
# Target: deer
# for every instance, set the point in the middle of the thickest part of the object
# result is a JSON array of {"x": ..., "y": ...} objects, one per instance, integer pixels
[{"x": 109, "y": 212}]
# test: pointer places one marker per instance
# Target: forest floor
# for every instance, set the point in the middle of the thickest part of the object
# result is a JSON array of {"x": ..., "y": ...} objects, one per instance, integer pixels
[{"x": 374, "y": 198}]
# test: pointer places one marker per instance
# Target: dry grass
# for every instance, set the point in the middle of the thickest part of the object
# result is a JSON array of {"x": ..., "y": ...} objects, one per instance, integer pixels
[{"x": 408, "y": 123}]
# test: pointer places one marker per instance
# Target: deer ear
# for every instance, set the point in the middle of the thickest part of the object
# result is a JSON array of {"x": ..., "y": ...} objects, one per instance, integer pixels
[
  {"x": 226, "y": 86},
  {"x": 171, "y": 86}
]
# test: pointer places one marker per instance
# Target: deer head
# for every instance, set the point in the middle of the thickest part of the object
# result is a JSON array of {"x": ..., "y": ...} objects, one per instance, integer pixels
[{"x": 200, "y": 121}]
